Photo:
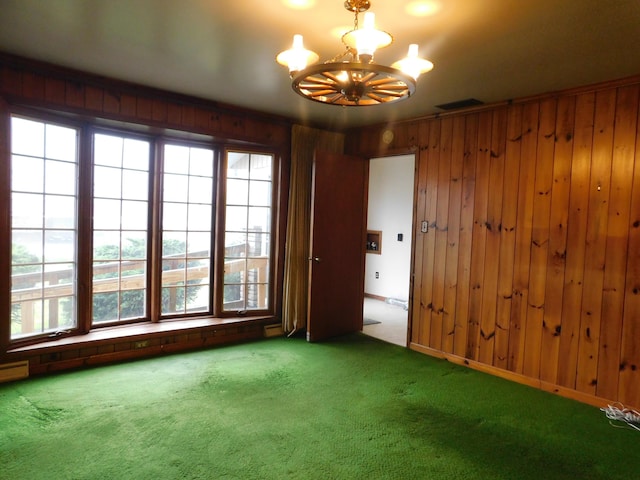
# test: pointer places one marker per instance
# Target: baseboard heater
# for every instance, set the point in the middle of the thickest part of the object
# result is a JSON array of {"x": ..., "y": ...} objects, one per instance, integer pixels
[
  {"x": 14, "y": 371},
  {"x": 274, "y": 330}
]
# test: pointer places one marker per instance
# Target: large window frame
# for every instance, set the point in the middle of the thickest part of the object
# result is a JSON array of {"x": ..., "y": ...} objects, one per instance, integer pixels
[
  {"x": 85, "y": 204},
  {"x": 44, "y": 227},
  {"x": 248, "y": 229}
]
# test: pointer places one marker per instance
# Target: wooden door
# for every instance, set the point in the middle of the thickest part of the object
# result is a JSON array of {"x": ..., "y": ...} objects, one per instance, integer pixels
[{"x": 338, "y": 238}]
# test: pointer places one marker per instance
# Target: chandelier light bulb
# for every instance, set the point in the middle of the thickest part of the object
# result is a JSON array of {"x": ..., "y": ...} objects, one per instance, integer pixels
[
  {"x": 297, "y": 57},
  {"x": 343, "y": 76},
  {"x": 366, "y": 41},
  {"x": 412, "y": 64}
]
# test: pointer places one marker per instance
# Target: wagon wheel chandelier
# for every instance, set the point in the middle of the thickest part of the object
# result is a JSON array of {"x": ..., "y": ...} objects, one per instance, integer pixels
[{"x": 352, "y": 78}]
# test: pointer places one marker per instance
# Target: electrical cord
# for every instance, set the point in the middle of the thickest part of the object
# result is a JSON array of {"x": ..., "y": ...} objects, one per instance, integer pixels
[{"x": 618, "y": 413}]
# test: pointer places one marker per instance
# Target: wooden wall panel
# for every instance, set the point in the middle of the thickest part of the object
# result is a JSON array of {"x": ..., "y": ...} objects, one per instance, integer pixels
[
  {"x": 74, "y": 94},
  {"x": 429, "y": 160},
  {"x": 44, "y": 86},
  {"x": 441, "y": 227},
  {"x": 576, "y": 240},
  {"x": 466, "y": 235},
  {"x": 626, "y": 123},
  {"x": 94, "y": 99},
  {"x": 479, "y": 237},
  {"x": 160, "y": 111},
  {"x": 449, "y": 329},
  {"x": 129, "y": 106},
  {"x": 539, "y": 237},
  {"x": 507, "y": 237},
  {"x": 493, "y": 226},
  {"x": 629, "y": 387},
  {"x": 531, "y": 266},
  {"x": 54, "y": 90},
  {"x": 522, "y": 254},
  {"x": 557, "y": 250},
  {"x": 111, "y": 103},
  {"x": 33, "y": 85},
  {"x": 596, "y": 241},
  {"x": 419, "y": 245}
]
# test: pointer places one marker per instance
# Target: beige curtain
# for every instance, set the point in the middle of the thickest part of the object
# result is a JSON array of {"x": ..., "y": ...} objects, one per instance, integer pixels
[{"x": 304, "y": 142}]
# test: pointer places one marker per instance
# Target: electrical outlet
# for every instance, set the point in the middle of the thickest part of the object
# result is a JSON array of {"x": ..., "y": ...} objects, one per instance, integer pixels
[{"x": 377, "y": 274}]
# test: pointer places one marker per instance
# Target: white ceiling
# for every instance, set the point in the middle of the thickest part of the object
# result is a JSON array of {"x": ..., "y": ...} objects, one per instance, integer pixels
[{"x": 225, "y": 50}]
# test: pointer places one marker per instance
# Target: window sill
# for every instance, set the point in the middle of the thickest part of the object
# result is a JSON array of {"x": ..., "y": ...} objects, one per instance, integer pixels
[{"x": 138, "y": 331}]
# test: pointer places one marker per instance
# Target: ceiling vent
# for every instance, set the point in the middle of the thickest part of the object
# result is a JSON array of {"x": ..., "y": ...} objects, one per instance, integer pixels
[{"x": 469, "y": 102}]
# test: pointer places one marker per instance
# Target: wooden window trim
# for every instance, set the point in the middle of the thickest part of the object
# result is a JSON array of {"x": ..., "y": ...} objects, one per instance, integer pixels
[
  {"x": 132, "y": 332},
  {"x": 85, "y": 333}
]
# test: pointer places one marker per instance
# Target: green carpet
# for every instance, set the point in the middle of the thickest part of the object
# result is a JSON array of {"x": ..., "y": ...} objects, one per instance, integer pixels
[{"x": 352, "y": 408}]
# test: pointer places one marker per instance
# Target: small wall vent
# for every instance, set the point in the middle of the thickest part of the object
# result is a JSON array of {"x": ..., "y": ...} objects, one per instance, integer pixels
[
  {"x": 14, "y": 371},
  {"x": 274, "y": 330},
  {"x": 469, "y": 102}
]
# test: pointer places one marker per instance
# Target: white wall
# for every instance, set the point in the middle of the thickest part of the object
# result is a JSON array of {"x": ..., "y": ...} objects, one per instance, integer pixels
[{"x": 390, "y": 210}]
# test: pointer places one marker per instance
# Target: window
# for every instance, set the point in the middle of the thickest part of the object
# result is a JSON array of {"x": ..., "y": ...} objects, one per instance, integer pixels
[
  {"x": 247, "y": 231},
  {"x": 146, "y": 243},
  {"x": 120, "y": 227},
  {"x": 44, "y": 172},
  {"x": 187, "y": 215}
]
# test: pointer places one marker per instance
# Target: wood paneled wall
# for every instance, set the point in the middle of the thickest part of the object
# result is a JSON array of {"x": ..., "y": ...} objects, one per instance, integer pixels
[
  {"x": 530, "y": 268},
  {"x": 49, "y": 87}
]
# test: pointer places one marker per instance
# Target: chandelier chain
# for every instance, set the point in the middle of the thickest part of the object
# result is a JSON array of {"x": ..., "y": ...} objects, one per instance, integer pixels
[
  {"x": 357, "y": 5},
  {"x": 348, "y": 51}
]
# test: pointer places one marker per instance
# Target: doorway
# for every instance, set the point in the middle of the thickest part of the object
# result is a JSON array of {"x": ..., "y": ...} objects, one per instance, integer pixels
[{"x": 389, "y": 244}]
